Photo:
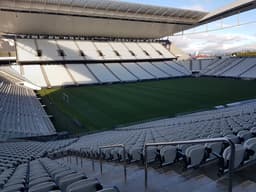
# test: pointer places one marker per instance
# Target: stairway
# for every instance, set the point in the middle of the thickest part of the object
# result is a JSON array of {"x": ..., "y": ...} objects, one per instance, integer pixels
[{"x": 166, "y": 179}]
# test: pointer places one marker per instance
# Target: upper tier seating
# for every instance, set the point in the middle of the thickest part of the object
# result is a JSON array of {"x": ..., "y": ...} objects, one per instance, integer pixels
[
  {"x": 26, "y": 50},
  {"x": 49, "y": 50},
  {"x": 35, "y": 50},
  {"x": 71, "y": 51}
]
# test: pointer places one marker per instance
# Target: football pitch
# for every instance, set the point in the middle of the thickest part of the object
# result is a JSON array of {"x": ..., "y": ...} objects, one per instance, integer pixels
[{"x": 102, "y": 107}]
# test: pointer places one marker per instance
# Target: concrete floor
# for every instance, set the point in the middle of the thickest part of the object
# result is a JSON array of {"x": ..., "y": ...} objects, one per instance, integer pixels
[{"x": 167, "y": 179}]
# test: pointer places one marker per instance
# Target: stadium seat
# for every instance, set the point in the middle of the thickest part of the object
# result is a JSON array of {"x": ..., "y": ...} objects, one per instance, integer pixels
[
  {"x": 194, "y": 155},
  {"x": 168, "y": 154}
]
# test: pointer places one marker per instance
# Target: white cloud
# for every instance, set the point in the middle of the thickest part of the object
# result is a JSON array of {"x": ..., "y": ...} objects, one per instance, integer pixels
[{"x": 213, "y": 43}]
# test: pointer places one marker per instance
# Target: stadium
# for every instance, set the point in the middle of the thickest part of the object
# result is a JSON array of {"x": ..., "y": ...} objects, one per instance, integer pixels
[{"x": 97, "y": 95}]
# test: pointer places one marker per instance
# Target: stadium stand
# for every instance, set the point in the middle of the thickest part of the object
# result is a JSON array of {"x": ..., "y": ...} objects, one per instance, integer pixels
[
  {"x": 26, "y": 50},
  {"x": 231, "y": 67},
  {"x": 49, "y": 50},
  {"x": 179, "y": 68},
  {"x": 172, "y": 72},
  {"x": 236, "y": 122},
  {"x": 137, "y": 71},
  {"x": 71, "y": 51},
  {"x": 20, "y": 172},
  {"x": 34, "y": 74},
  {"x": 34, "y": 50},
  {"x": 48, "y": 75},
  {"x": 105, "y": 49},
  {"x": 81, "y": 74},
  {"x": 123, "y": 51},
  {"x": 151, "y": 69},
  {"x": 162, "y": 51},
  {"x": 102, "y": 73},
  {"x": 57, "y": 75},
  {"x": 121, "y": 72},
  {"x": 52, "y": 61},
  {"x": 22, "y": 113}
]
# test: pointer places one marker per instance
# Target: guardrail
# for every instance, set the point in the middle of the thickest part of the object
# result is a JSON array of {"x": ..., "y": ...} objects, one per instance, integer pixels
[
  {"x": 124, "y": 155},
  {"x": 198, "y": 141},
  {"x": 93, "y": 164}
]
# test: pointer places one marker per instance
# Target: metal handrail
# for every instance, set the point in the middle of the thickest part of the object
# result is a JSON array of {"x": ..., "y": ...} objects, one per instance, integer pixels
[
  {"x": 124, "y": 154},
  {"x": 198, "y": 141},
  {"x": 93, "y": 164}
]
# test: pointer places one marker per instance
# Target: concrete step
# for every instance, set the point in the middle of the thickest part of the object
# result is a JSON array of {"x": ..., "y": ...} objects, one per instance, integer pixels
[{"x": 166, "y": 179}]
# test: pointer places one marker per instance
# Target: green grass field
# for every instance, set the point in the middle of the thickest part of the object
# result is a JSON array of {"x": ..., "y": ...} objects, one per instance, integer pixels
[{"x": 104, "y": 107}]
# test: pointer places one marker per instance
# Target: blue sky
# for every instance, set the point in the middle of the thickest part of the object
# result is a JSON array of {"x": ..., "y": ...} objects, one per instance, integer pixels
[{"x": 228, "y": 40}]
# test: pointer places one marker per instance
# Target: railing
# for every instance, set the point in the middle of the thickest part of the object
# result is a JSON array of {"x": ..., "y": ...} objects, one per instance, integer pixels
[
  {"x": 93, "y": 164},
  {"x": 199, "y": 141},
  {"x": 124, "y": 156}
]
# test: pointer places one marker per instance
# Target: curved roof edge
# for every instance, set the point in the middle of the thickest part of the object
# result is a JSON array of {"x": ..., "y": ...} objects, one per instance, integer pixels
[{"x": 234, "y": 8}]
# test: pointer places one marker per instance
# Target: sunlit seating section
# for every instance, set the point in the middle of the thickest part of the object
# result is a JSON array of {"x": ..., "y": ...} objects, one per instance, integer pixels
[
  {"x": 81, "y": 74},
  {"x": 49, "y": 50},
  {"x": 34, "y": 74},
  {"x": 122, "y": 50},
  {"x": 57, "y": 75},
  {"x": 149, "y": 50},
  {"x": 70, "y": 50},
  {"x": 136, "y": 50},
  {"x": 27, "y": 50},
  {"x": 89, "y": 50},
  {"x": 107, "y": 51},
  {"x": 162, "y": 50}
]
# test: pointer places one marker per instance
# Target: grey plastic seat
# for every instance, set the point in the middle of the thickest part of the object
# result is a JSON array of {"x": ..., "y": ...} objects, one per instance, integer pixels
[
  {"x": 250, "y": 144},
  {"x": 43, "y": 187},
  {"x": 215, "y": 148},
  {"x": 39, "y": 180},
  {"x": 13, "y": 188},
  {"x": 244, "y": 135},
  {"x": 136, "y": 153},
  {"x": 169, "y": 154},
  {"x": 195, "y": 155},
  {"x": 109, "y": 190},
  {"x": 239, "y": 155},
  {"x": 233, "y": 138},
  {"x": 69, "y": 179},
  {"x": 88, "y": 185},
  {"x": 63, "y": 174}
]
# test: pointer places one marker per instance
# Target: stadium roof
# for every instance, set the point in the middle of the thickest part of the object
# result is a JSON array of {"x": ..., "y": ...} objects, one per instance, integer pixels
[
  {"x": 229, "y": 10},
  {"x": 107, "y": 18}
]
